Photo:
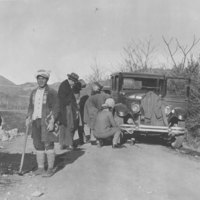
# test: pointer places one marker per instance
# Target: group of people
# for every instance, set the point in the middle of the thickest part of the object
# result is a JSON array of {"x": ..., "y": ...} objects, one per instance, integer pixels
[{"x": 55, "y": 116}]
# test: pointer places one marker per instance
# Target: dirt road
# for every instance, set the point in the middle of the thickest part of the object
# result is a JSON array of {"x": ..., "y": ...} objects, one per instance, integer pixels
[{"x": 142, "y": 171}]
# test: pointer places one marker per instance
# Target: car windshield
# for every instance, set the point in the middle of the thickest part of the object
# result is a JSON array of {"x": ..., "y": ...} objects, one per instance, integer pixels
[{"x": 142, "y": 84}]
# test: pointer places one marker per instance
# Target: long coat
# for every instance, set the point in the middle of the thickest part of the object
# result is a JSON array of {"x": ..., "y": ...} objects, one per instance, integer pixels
[
  {"x": 66, "y": 100},
  {"x": 50, "y": 106},
  {"x": 82, "y": 102}
]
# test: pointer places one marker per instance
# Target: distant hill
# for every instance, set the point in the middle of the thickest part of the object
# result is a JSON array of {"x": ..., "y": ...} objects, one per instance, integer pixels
[
  {"x": 16, "y": 97},
  {"x": 8, "y": 87},
  {"x": 12, "y": 96},
  {"x": 28, "y": 86},
  {"x": 5, "y": 82}
]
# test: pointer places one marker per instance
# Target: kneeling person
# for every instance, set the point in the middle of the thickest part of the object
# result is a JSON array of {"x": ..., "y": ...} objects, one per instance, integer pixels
[{"x": 105, "y": 125}]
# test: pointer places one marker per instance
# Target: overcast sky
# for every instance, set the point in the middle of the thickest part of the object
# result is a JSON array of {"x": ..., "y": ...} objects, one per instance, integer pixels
[{"x": 67, "y": 36}]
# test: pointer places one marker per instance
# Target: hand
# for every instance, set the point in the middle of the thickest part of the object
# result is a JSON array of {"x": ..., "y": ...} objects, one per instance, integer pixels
[
  {"x": 50, "y": 126},
  {"x": 28, "y": 121}
]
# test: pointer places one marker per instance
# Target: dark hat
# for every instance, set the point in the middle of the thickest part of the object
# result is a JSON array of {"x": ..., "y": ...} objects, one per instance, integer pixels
[{"x": 73, "y": 76}]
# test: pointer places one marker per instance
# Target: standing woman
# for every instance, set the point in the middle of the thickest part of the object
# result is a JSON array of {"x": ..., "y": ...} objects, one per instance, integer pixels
[{"x": 68, "y": 111}]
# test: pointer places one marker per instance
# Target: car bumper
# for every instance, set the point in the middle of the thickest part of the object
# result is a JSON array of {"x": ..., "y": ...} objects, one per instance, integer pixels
[{"x": 155, "y": 130}]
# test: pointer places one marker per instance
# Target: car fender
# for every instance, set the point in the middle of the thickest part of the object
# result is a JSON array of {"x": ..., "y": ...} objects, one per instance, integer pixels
[
  {"x": 121, "y": 110},
  {"x": 177, "y": 114}
]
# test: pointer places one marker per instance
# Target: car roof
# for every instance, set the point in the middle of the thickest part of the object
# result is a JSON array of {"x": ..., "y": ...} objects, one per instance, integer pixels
[
  {"x": 137, "y": 74},
  {"x": 146, "y": 75}
]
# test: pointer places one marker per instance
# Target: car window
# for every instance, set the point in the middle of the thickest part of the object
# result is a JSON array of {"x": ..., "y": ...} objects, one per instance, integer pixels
[
  {"x": 116, "y": 82},
  {"x": 113, "y": 83},
  {"x": 130, "y": 83},
  {"x": 177, "y": 87}
]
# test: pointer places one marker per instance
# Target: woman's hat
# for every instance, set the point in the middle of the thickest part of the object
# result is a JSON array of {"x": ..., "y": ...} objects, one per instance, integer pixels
[
  {"x": 110, "y": 103},
  {"x": 73, "y": 76}
]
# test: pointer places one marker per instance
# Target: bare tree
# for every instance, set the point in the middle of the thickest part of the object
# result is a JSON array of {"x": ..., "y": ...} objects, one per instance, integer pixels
[
  {"x": 97, "y": 73},
  {"x": 137, "y": 55},
  {"x": 179, "y": 48}
]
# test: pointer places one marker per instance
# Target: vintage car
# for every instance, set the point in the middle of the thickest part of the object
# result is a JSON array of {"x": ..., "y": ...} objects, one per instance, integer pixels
[{"x": 151, "y": 105}]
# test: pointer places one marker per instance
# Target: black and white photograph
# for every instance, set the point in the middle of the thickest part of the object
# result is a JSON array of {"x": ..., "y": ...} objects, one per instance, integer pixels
[{"x": 99, "y": 99}]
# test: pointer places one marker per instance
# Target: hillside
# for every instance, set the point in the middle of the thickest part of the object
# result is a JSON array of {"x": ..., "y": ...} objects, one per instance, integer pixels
[
  {"x": 8, "y": 87},
  {"x": 12, "y": 96},
  {"x": 28, "y": 86},
  {"x": 5, "y": 82}
]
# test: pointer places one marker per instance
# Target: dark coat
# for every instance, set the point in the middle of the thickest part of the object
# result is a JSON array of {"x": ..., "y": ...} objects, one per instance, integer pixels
[
  {"x": 82, "y": 102},
  {"x": 66, "y": 99},
  {"x": 50, "y": 106}
]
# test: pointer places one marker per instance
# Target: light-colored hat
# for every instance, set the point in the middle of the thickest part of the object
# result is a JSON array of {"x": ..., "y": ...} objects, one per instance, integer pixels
[
  {"x": 43, "y": 73},
  {"x": 110, "y": 103}
]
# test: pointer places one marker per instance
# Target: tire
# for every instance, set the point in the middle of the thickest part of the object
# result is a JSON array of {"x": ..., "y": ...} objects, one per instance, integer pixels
[{"x": 177, "y": 143}]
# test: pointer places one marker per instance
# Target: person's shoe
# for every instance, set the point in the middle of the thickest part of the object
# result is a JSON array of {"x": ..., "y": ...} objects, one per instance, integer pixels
[
  {"x": 99, "y": 143},
  {"x": 72, "y": 147},
  {"x": 39, "y": 171},
  {"x": 62, "y": 147},
  {"x": 48, "y": 173},
  {"x": 116, "y": 146},
  {"x": 87, "y": 139},
  {"x": 93, "y": 142}
]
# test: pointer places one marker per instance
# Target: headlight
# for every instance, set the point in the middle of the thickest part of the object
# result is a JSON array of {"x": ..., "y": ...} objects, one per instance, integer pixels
[
  {"x": 121, "y": 113},
  {"x": 167, "y": 110},
  {"x": 135, "y": 108},
  {"x": 130, "y": 121},
  {"x": 180, "y": 117}
]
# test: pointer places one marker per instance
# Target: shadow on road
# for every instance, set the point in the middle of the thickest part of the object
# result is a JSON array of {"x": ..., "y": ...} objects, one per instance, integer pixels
[
  {"x": 10, "y": 163},
  {"x": 151, "y": 140},
  {"x": 67, "y": 158}
]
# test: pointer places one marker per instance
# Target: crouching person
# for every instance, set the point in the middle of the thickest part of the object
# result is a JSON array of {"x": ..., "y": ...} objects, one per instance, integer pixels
[
  {"x": 105, "y": 125},
  {"x": 43, "y": 104}
]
